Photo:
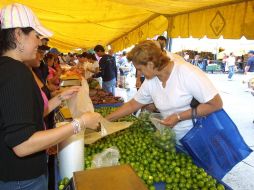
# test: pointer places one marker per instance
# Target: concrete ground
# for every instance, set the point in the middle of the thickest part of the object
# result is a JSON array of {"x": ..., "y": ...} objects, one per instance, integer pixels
[{"x": 239, "y": 104}]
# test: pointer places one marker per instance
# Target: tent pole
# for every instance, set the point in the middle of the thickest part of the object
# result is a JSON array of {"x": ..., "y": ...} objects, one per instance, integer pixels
[
  {"x": 169, "y": 38},
  {"x": 169, "y": 44}
]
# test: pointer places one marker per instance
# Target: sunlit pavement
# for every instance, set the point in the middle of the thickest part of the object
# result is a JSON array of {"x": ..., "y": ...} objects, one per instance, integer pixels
[{"x": 239, "y": 104}]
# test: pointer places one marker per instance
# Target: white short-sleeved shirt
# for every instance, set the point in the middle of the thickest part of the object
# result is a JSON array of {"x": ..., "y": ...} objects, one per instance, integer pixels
[
  {"x": 91, "y": 66},
  {"x": 185, "y": 82},
  {"x": 231, "y": 61}
]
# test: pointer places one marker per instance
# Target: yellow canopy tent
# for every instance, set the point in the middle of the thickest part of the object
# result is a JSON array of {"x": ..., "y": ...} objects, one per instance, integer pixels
[{"x": 85, "y": 23}]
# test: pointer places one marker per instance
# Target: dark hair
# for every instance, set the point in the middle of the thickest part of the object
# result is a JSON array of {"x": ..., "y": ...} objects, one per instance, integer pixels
[
  {"x": 161, "y": 38},
  {"x": 48, "y": 56},
  {"x": 91, "y": 56},
  {"x": 99, "y": 48},
  {"x": 7, "y": 38},
  {"x": 124, "y": 53},
  {"x": 148, "y": 51}
]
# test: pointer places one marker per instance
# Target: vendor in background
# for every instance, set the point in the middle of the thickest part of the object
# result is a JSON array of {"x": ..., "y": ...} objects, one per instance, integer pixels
[
  {"x": 171, "y": 86},
  {"x": 82, "y": 60},
  {"x": 92, "y": 66},
  {"x": 108, "y": 70},
  {"x": 23, "y": 138}
]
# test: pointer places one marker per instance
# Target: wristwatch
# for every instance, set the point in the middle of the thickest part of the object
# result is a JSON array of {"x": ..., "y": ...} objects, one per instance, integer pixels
[{"x": 178, "y": 117}]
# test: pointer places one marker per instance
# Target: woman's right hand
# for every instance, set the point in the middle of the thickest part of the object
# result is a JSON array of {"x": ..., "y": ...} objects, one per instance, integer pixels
[{"x": 91, "y": 119}]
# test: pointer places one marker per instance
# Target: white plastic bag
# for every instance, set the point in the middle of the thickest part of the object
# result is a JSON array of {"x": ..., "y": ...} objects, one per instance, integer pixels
[
  {"x": 109, "y": 157},
  {"x": 81, "y": 102},
  {"x": 164, "y": 137},
  {"x": 156, "y": 119}
]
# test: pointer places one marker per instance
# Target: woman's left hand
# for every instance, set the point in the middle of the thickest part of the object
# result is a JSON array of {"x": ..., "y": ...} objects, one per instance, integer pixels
[
  {"x": 69, "y": 92},
  {"x": 170, "y": 121}
]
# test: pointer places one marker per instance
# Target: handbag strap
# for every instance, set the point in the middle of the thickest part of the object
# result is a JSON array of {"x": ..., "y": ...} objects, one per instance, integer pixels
[{"x": 194, "y": 115}]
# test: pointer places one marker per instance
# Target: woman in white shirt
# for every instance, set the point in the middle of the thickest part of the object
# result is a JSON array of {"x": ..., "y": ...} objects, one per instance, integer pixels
[{"x": 171, "y": 83}]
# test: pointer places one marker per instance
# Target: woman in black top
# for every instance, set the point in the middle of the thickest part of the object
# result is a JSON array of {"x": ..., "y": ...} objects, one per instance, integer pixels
[{"x": 23, "y": 138}]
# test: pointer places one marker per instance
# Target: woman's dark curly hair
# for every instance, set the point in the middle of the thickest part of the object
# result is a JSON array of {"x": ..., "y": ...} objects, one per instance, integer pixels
[{"x": 7, "y": 38}]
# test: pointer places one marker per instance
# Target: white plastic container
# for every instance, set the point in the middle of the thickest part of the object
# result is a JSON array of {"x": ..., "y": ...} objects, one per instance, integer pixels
[{"x": 71, "y": 154}]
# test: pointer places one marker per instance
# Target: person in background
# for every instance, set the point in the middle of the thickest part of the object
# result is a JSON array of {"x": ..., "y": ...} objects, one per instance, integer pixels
[
  {"x": 48, "y": 115},
  {"x": 124, "y": 69},
  {"x": 231, "y": 66},
  {"x": 186, "y": 56},
  {"x": 108, "y": 70},
  {"x": 111, "y": 52},
  {"x": 71, "y": 59},
  {"x": 171, "y": 86},
  {"x": 23, "y": 138},
  {"x": 61, "y": 59},
  {"x": 249, "y": 68},
  {"x": 82, "y": 59},
  {"x": 92, "y": 66},
  {"x": 196, "y": 61},
  {"x": 42, "y": 71},
  {"x": 44, "y": 41},
  {"x": 163, "y": 42},
  {"x": 223, "y": 63},
  {"x": 56, "y": 54},
  {"x": 239, "y": 62},
  {"x": 53, "y": 77},
  {"x": 140, "y": 78}
]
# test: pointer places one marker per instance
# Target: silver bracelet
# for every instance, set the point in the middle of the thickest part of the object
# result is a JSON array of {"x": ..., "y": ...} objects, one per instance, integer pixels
[{"x": 77, "y": 125}]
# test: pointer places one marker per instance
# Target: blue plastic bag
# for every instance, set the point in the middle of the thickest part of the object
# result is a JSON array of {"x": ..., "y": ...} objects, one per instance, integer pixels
[{"x": 215, "y": 144}]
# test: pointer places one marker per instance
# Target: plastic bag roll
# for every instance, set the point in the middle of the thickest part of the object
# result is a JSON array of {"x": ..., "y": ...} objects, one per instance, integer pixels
[{"x": 71, "y": 155}]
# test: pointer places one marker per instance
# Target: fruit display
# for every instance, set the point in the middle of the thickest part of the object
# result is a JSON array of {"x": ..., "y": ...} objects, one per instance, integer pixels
[
  {"x": 63, "y": 183},
  {"x": 192, "y": 54},
  {"x": 99, "y": 96},
  {"x": 151, "y": 163},
  {"x": 165, "y": 139},
  {"x": 104, "y": 111},
  {"x": 93, "y": 84}
]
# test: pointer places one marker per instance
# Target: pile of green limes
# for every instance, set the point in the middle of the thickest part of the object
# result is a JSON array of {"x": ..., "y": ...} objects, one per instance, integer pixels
[{"x": 152, "y": 163}]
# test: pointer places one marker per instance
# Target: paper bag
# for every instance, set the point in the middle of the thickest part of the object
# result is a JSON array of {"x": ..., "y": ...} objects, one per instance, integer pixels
[
  {"x": 81, "y": 102},
  {"x": 107, "y": 128}
]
